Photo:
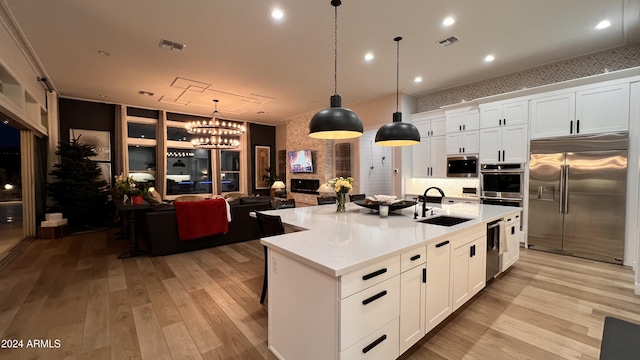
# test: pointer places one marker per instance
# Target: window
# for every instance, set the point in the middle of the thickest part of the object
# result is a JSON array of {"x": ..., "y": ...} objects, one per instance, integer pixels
[
  {"x": 142, "y": 164},
  {"x": 141, "y": 131},
  {"x": 230, "y": 170},
  {"x": 141, "y": 144},
  {"x": 188, "y": 171}
]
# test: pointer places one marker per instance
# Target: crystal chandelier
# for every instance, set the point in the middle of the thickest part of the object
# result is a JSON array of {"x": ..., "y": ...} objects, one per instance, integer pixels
[{"x": 215, "y": 133}]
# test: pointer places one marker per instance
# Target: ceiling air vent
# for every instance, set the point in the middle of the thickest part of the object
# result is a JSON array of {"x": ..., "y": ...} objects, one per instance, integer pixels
[
  {"x": 448, "y": 41},
  {"x": 173, "y": 46},
  {"x": 142, "y": 92}
]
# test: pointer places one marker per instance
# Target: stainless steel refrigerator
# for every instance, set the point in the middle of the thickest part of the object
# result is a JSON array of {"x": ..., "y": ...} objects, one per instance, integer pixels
[{"x": 577, "y": 196}]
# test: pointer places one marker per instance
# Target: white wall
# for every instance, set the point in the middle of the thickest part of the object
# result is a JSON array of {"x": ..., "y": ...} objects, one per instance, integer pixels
[
  {"x": 632, "y": 248},
  {"x": 376, "y": 173}
]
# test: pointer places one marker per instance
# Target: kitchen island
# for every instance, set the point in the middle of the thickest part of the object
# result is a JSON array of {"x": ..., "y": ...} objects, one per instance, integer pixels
[{"x": 356, "y": 286}]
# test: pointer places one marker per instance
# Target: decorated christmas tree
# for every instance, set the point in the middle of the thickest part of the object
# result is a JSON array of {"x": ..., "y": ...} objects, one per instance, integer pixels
[{"x": 78, "y": 193}]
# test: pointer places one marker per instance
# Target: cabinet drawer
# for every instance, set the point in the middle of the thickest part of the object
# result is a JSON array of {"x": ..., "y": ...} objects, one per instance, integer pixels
[
  {"x": 368, "y": 276},
  {"x": 511, "y": 219},
  {"x": 381, "y": 344},
  {"x": 367, "y": 310},
  {"x": 413, "y": 258}
]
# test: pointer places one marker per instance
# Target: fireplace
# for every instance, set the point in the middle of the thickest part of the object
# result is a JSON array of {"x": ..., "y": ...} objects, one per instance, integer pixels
[{"x": 305, "y": 186}]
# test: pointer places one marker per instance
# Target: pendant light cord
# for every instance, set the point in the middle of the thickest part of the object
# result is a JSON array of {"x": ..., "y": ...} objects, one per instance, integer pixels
[
  {"x": 397, "y": 71},
  {"x": 335, "y": 50}
]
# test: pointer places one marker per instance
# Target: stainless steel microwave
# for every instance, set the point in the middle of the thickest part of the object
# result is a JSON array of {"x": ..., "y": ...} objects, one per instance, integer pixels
[{"x": 462, "y": 166}]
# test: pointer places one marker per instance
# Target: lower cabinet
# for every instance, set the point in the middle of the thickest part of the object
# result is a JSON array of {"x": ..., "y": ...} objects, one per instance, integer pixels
[
  {"x": 412, "y": 298},
  {"x": 378, "y": 311},
  {"x": 514, "y": 236},
  {"x": 381, "y": 344},
  {"x": 438, "y": 286},
  {"x": 469, "y": 270},
  {"x": 368, "y": 310}
]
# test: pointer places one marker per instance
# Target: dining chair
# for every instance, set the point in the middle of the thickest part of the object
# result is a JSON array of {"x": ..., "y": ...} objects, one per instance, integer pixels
[
  {"x": 356, "y": 197},
  {"x": 270, "y": 225},
  {"x": 283, "y": 204},
  {"x": 323, "y": 200}
]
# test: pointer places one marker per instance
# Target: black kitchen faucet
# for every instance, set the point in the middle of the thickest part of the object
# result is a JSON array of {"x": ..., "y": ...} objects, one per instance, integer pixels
[{"x": 431, "y": 199}]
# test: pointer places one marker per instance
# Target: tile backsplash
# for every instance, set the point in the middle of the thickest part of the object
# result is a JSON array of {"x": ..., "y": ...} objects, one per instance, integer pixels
[{"x": 450, "y": 186}]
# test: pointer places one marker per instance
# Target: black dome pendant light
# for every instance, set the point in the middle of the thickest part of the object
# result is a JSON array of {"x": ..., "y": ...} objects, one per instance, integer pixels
[
  {"x": 335, "y": 122},
  {"x": 397, "y": 133}
]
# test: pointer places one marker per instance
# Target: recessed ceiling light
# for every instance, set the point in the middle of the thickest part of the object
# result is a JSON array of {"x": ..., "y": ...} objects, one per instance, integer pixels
[
  {"x": 448, "y": 21},
  {"x": 5, "y": 121},
  {"x": 368, "y": 56},
  {"x": 277, "y": 14},
  {"x": 418, "y": 79},
  {"x": 103, "y": 53},
  {"x": 489, "y": 58},
  {"x": 603, "y": 24},
  {"x": 103, "y": 96}
]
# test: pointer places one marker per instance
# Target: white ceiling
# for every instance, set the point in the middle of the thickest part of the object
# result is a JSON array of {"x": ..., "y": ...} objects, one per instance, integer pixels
[{"x": 238, "y": 54}]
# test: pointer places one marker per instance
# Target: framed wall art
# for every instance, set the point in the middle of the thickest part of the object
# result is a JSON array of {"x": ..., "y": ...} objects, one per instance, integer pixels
[
  {"x": 100, "y": 140},
  {"x": 105, "y": 167},
  {"x": 263, "y": 161}
]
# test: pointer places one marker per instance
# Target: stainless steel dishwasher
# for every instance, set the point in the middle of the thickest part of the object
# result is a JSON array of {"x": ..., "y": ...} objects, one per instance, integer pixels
[{"x": 493, "y": 249}]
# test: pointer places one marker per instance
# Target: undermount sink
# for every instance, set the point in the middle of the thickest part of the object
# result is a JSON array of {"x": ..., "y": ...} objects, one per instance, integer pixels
[{"x": 444, "y": 220}]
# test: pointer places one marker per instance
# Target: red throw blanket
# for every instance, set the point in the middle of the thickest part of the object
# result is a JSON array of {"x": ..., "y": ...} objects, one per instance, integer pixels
[{"x": 198, "y": 219}]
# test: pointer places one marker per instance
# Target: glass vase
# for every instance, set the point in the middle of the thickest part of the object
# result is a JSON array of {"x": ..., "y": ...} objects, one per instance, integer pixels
[{"x": 341, "y": 202}]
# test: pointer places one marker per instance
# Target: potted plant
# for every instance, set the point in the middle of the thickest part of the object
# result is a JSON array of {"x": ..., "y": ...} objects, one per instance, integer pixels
[{"x": 271, "y": 176}]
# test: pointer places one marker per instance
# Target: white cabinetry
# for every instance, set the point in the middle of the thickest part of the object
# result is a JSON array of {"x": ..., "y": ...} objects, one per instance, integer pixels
[
  {"x": 463, "y": 120},
  {"x": 514, "y": 236},
  {"x": 462, "y": 131},
  {"x": 412, "y": 297},
  {"x": 430, "y": 124},
  {"x": 469, "y": 269},
  {"x": 428, "y": 158},
  {"x": 602, "y": 109},
  {"x": 504, "y": 113},
  {"x": 464, "y": 142},
  {"x": 370, "y": 300},
  {"x": 438, "y": 289},
  {"x": 504, "y": 144},
  {"x": 587, "y": 110}
]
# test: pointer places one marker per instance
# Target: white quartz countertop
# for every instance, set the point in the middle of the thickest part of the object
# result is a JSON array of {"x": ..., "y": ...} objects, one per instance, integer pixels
[{"x": 338, "y": 243}]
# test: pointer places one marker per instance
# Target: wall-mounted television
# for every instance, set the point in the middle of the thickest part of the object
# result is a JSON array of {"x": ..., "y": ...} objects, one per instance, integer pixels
[{"x": 300, "y": 161}]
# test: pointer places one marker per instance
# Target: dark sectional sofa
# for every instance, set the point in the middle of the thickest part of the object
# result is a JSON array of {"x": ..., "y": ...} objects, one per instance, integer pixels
[{"x": 162, "y": 227}]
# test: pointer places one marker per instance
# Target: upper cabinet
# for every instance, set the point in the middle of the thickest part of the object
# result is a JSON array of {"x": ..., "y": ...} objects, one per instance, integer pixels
[
  {"x": 504, "y": 131},
  {"x": 465, "y": 142},
  {"x": 430, "y": 124},
  {"x": 462, "y": 121},
  {"x": 504, "y": 144},
  {"x": 590, "y": 110},
  {"x": 504, "y": 113},
  {"x": 428, "y": 158}
]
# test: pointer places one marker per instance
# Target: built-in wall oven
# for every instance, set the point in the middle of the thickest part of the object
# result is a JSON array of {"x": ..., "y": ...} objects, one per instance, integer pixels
[
  {"x": 462, "y": 166},
  {"x": 502, "y": 184}
]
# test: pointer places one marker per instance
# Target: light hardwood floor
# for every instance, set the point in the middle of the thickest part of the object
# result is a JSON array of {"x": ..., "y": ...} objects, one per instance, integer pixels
[{"x": 205, "y": 305}]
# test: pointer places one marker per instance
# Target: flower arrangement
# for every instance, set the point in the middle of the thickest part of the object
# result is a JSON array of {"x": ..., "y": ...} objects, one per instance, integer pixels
[
  {"x": 127, "y": 186},
  {"x": 341, "y": 185}
]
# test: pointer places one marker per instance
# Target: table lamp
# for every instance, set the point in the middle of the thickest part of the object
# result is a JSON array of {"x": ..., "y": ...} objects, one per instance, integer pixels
[
  {"x": 325, "y": 190},
  {"x": 278, "y": 187}
]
